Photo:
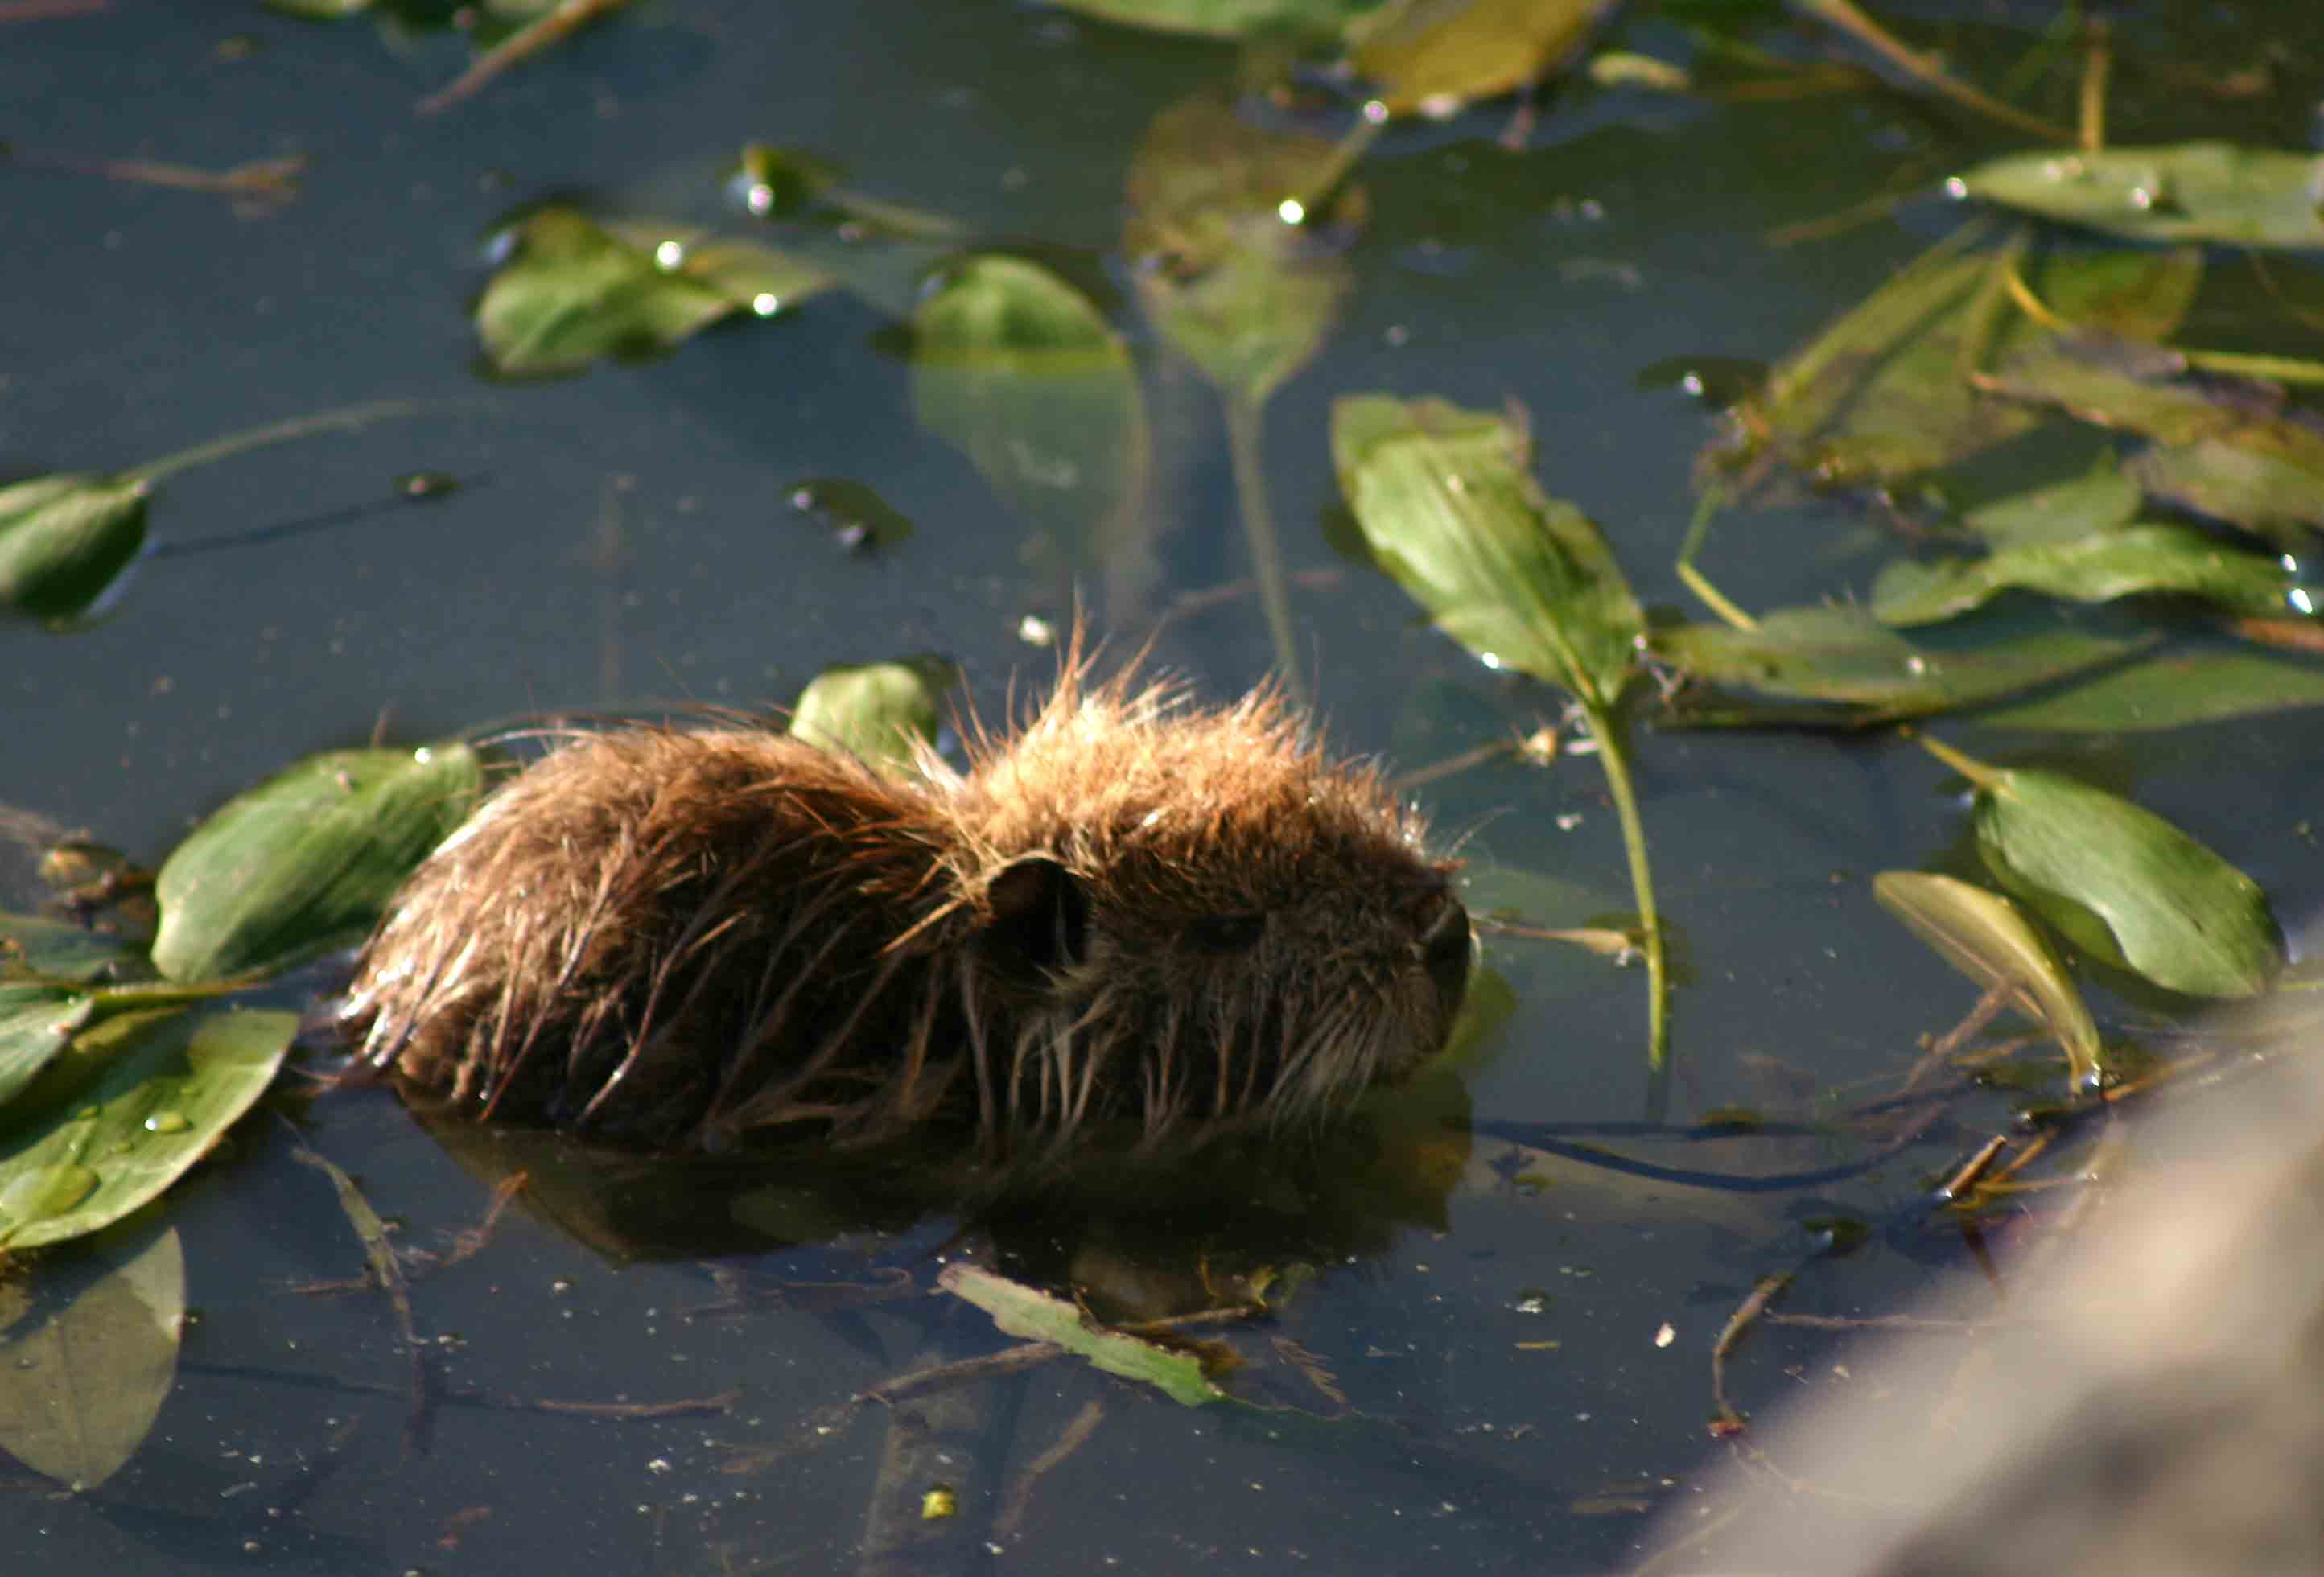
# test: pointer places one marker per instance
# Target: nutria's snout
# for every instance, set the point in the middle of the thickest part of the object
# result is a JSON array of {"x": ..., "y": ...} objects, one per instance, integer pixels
[{"x": 1446, "y": 947}]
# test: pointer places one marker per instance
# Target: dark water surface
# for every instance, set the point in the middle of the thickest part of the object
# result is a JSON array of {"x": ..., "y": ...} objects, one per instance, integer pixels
[{"x": 624, "y": 540}]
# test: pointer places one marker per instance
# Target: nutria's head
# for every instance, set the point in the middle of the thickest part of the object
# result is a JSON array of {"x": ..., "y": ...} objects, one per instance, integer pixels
[{"x": 1207, "y": 917}]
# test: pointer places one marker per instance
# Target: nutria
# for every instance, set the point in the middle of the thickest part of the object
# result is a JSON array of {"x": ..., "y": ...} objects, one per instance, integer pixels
[{"x": 1133, "y": 916}]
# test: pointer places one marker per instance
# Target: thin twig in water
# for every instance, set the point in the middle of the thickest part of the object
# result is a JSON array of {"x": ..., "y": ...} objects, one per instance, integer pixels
[
  {"x": 1020, "y": 1494},
  {"x": 1009, "y": 1360},
  {"x": 1730, "y": 1336},
  {"x": 1921, "y": 68},
  {"x": 470, "y": 1241},
  {"x": 259, "y": 181},
  {"x": 528, "y": 41},
  {"x": 380, "y": 1254}
]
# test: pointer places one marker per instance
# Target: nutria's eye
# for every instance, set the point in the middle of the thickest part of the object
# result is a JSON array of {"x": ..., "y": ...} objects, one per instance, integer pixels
[{"x": 1227, "y": 932}]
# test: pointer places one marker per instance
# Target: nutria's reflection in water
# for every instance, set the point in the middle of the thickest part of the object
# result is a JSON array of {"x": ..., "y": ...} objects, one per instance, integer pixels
[
  {"x": 1133, "y": 1240},
  {"x": 1317, "y": 1193}
]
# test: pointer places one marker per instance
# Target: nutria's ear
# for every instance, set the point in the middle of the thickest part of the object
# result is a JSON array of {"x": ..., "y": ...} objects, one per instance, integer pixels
[{"x": 1039, "y": 913}]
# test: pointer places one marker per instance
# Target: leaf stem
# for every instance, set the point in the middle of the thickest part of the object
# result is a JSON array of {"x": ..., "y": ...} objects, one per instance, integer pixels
[
  {"x": 107, "y": 1001},
  {"x": 1714, "y": 499},
  {"x": 1246, "y": 423},
  {"x": 1969, "y": 767},
  {"x": 1343, "y": 159},
  {"x": 1613, "y": 755},
  {"x": 1923, "y": 69},
  {"x": 299, "y": 427}
]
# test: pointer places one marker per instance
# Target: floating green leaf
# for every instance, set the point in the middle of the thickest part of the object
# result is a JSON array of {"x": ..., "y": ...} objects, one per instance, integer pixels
[
  {"x": 2192, "y": 192},
  {"x": 1433, "y": 57},
  {"x": 1447, "y": 504},
  {"x": 855, "y": 514},
  {"x": 167, "y": 1083},
  {"x": 1017, "y": 370},
  {"x": 2269, "y": 480},
  {"x": 1227, "y": 18},
  {"x": 1020, "y": 1311},
  {"x": 878, "y": 251},
  {"x": 37, "y": 1022},
  {"x": 60, "y": 951},
  {"x": 1982, "y": 934},
  {"x": 574, "y": 290},
  {"x": 2124, "y": 884},
  {"x": 80, "y": 1389},
  {"x": 784, "y": 184},
  {"x": 2208, "y": 685},
  {"x": 754, "y": 277},
  {"x": 1844, "y": 657},
  {"x": 65, "y": 540},
  {"x": 2146, "y": 559},
  {"x": 304, "y": 862},
  {"x": 879, "y": 711},
  {"x": 2230, "y": 447}
]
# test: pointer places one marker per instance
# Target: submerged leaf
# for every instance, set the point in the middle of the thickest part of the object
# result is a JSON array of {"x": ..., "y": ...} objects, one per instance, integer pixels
[
  {"x": 168, "y": 1082},
  {"x": 2270, "y": 482},
  {"x": 1017, "y": 370},
  {"x": 1448, "y": 506},
  {"x": 80, "y": 1391},
  {"x": 1020, "y": 1311},
  {"x": 1226, "y": 18},
  {"x": 1982, "y": 934},
  {"x": 2139, "y": 559},
  {"x": 1843, "y": 655},
  {"x": 2203, "y": 686},
  {"x": 1230, "y": 266},
  {"x": 2193, "y": 191},
  {"x": 2230, "y": 447},
  {"x": 305, "y": 861},
  {"x": 64, "y": 539},
  {"x": 1431, "y": 57},
  {"x": 875, "y": 710},
  {"x": 1887, "y": 392}
]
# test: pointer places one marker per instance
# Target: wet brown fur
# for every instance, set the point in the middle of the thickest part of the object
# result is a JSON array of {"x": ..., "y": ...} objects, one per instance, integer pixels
[{"x": 1129, "y": 911}]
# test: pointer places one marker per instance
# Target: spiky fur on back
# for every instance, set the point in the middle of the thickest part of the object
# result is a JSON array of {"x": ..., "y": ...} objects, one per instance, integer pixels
[{"x": 1130, "y": 910}]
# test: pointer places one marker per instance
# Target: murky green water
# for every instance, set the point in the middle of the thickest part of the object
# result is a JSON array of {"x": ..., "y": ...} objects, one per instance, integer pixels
[{"x": 625, "y": 538}]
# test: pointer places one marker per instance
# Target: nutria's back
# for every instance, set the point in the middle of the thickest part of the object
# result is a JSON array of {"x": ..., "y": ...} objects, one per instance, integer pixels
[{"x": 1131, "y": 910}]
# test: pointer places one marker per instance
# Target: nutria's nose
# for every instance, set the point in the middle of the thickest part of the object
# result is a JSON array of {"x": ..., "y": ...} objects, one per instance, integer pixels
[{"x": 1444, "y": 946}]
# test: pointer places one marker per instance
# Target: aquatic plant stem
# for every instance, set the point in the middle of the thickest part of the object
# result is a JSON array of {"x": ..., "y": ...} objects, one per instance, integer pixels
[
  {"x": 1925, "y": 69},
  {"x": 1969, "y": 767},
  {"x": 1613, "y": 755},
  {"x": 299, "y": 426},
  {"x": 1344, "y": 154},
  {"x": 1246, "y": 420},
  {"x": 1713, "y": 500}
]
